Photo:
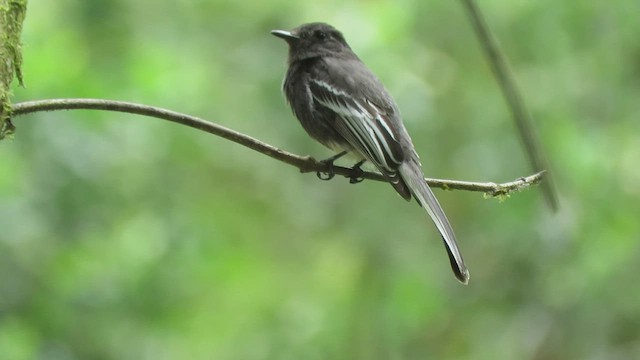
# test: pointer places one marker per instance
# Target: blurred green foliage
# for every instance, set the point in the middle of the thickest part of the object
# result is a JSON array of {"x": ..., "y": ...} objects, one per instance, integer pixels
[{"x": 124, "y": 237}]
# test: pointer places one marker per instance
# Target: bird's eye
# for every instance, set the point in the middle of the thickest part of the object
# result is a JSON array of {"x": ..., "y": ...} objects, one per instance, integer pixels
[{"x": 320, "y": 35}]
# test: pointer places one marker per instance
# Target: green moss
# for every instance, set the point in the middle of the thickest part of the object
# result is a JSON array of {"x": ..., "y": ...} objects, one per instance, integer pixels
[{"x": 12, "y": 13}]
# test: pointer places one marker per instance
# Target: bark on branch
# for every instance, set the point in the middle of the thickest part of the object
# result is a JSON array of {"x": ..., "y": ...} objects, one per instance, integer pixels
[{"x": 303, "y": 163}]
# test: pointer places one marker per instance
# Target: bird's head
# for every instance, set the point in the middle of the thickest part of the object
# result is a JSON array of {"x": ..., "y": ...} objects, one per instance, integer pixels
[{"x": 313, "y": 40}]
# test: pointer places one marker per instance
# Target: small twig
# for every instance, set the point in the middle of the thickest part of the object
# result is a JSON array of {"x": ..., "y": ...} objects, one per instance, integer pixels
[
  {"x": 521, "y": 115},
  {"x": 303, "y": 163},
  {"x": 490, "y": 189}
]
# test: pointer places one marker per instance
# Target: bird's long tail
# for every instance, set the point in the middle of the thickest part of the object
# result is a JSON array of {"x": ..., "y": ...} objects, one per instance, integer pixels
[{"x": 411, "y": 173}]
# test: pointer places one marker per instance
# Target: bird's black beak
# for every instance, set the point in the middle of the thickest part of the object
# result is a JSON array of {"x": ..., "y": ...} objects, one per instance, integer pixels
[{"x": 288, "y": 36}]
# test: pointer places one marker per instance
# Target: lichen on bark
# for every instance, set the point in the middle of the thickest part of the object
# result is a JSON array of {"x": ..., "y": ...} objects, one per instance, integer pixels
[{"x": 12, "y": 13}]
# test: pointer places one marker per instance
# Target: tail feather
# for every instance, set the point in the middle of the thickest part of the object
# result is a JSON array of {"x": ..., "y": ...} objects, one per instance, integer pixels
[{"x": 412, "y": 175}]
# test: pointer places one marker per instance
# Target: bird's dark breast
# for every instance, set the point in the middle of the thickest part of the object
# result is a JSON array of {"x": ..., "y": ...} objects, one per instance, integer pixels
[{"x": 316, "y": 119}]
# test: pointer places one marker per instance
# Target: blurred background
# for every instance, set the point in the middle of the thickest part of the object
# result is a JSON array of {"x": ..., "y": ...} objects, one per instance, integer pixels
[{"x": 124, "y": 237}]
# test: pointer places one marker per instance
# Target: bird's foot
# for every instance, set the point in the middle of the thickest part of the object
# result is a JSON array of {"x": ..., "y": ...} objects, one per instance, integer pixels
[
  {"x": 329, "y": 174},
  {"x": 359, "y": 173}
]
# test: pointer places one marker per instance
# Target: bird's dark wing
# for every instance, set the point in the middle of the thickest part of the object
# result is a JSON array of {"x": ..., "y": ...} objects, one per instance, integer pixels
[
  {"x": 368, "y": 119},
  {"x": 363, "y": 124}
]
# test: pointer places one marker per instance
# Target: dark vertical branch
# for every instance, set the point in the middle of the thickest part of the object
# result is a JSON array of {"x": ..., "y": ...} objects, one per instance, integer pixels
[{"x": 521, "y": 115}]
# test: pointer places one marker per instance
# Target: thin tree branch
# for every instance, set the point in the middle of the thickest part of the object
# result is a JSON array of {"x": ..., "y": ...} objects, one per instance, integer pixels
[
  {"x": 522, "y": 117},
  {"x": 303, "y": 163}
]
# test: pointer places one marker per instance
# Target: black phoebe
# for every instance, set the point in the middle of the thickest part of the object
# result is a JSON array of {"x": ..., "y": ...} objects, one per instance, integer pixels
[{"x": 341, "y": 104}]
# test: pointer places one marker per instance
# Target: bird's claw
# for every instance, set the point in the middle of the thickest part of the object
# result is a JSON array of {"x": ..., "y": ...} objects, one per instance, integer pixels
[
  {"x": 329, "y": 174},
  {"x": 359, "y": 173},
  {"x": 326, "y": 175}
]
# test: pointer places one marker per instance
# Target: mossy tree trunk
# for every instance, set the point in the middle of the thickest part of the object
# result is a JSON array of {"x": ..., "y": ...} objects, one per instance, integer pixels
[{"x": 12, "y": 14}]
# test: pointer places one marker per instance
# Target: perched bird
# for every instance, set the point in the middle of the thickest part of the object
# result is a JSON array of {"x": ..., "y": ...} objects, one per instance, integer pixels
[{"x": 344, "y": 106}]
